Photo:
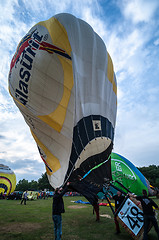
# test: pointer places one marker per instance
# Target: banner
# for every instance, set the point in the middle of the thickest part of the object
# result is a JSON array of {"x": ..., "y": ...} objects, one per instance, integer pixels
[{"x": 131, "y": 218}]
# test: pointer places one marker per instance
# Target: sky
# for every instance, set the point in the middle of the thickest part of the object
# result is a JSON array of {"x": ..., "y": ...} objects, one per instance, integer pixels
[{"x": 130, "y": 30}]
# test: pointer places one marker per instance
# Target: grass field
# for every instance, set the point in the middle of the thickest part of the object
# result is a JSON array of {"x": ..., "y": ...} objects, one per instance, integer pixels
[{"x": 34, "y": 221}]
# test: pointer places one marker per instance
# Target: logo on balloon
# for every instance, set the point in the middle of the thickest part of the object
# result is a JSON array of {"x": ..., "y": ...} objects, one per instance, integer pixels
[
  {"x": 118, "y": 166},
  {"x": 96, "y": 125},
  {"x": 25, "y": 55}
]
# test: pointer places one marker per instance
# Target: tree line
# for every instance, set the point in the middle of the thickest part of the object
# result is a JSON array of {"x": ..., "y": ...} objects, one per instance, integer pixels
[
  {"x": 151, "y": 173},
  {"x": 41, "y": 184}
]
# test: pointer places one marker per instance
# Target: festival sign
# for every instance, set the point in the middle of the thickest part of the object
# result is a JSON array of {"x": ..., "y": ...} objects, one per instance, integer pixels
[{"x": 131, "y": 218}]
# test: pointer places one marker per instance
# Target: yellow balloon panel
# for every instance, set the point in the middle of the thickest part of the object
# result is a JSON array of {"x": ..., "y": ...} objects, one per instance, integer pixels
[{"x": 7, "y": 180}]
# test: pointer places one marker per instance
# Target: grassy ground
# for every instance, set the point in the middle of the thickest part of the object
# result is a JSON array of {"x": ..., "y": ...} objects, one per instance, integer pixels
[{"x": 34, "y": 221}]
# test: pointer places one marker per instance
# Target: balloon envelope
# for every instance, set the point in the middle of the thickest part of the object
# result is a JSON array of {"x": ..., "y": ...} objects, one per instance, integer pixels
[
  {"x": 7, "y": 180},
  {"x": 127, "y": 174},
  {"x": 62, "y": 80}
]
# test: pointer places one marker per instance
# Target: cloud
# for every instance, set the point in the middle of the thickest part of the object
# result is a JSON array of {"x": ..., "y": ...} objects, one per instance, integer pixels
[
  {"x": 156, "y": 42},
  {"x": 2, "y": 137},
  {"x": 136, "y": 133},
  {"x": 139, "y": 10},
  {"x": 29, "y": 169}
]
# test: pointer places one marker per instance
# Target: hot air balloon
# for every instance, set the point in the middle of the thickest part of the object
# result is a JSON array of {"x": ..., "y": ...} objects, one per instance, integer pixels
[
  {"x": 126, "y": 176},
  {"x": 7, "y": 180},
  {"x": 62, "y": 80}
]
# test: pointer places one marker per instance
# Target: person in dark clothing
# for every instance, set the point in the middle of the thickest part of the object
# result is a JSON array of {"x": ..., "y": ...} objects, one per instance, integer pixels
[
  {"x": 119, "y": 198},
  {"x": 149, "y": 214},
  {"x": 57, "y": 209}
]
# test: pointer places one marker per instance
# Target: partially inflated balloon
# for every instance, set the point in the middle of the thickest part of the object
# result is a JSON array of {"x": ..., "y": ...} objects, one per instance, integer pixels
[
  {"x": 128, "y": 175},
  {"x": 7, "y": 180},
  {"x": 63, "y": 82}
]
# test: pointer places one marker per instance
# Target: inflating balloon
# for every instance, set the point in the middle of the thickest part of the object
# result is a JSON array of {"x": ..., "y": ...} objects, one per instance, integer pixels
[
  {"x": 7, "y": 180},
  {"x": 62, "y": 80},
  {"x": 126, "y": 176}
]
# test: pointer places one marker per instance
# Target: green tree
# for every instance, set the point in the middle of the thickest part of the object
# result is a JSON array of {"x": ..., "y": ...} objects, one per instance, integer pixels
[
  {"x": 152, "y": 174},
  {"x": 33, "y": 185},
  {"x": 22, "y": 185},
  {"x": 43, "y": 182}
]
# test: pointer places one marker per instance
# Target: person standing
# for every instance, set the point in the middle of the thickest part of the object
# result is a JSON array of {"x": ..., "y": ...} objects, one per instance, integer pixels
[
  {"x": 57, "y": 209},
  {"x": 119, "y": 198},
  {"x": 24, "y": 197},
  {"x": 149, "y": 214}
]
